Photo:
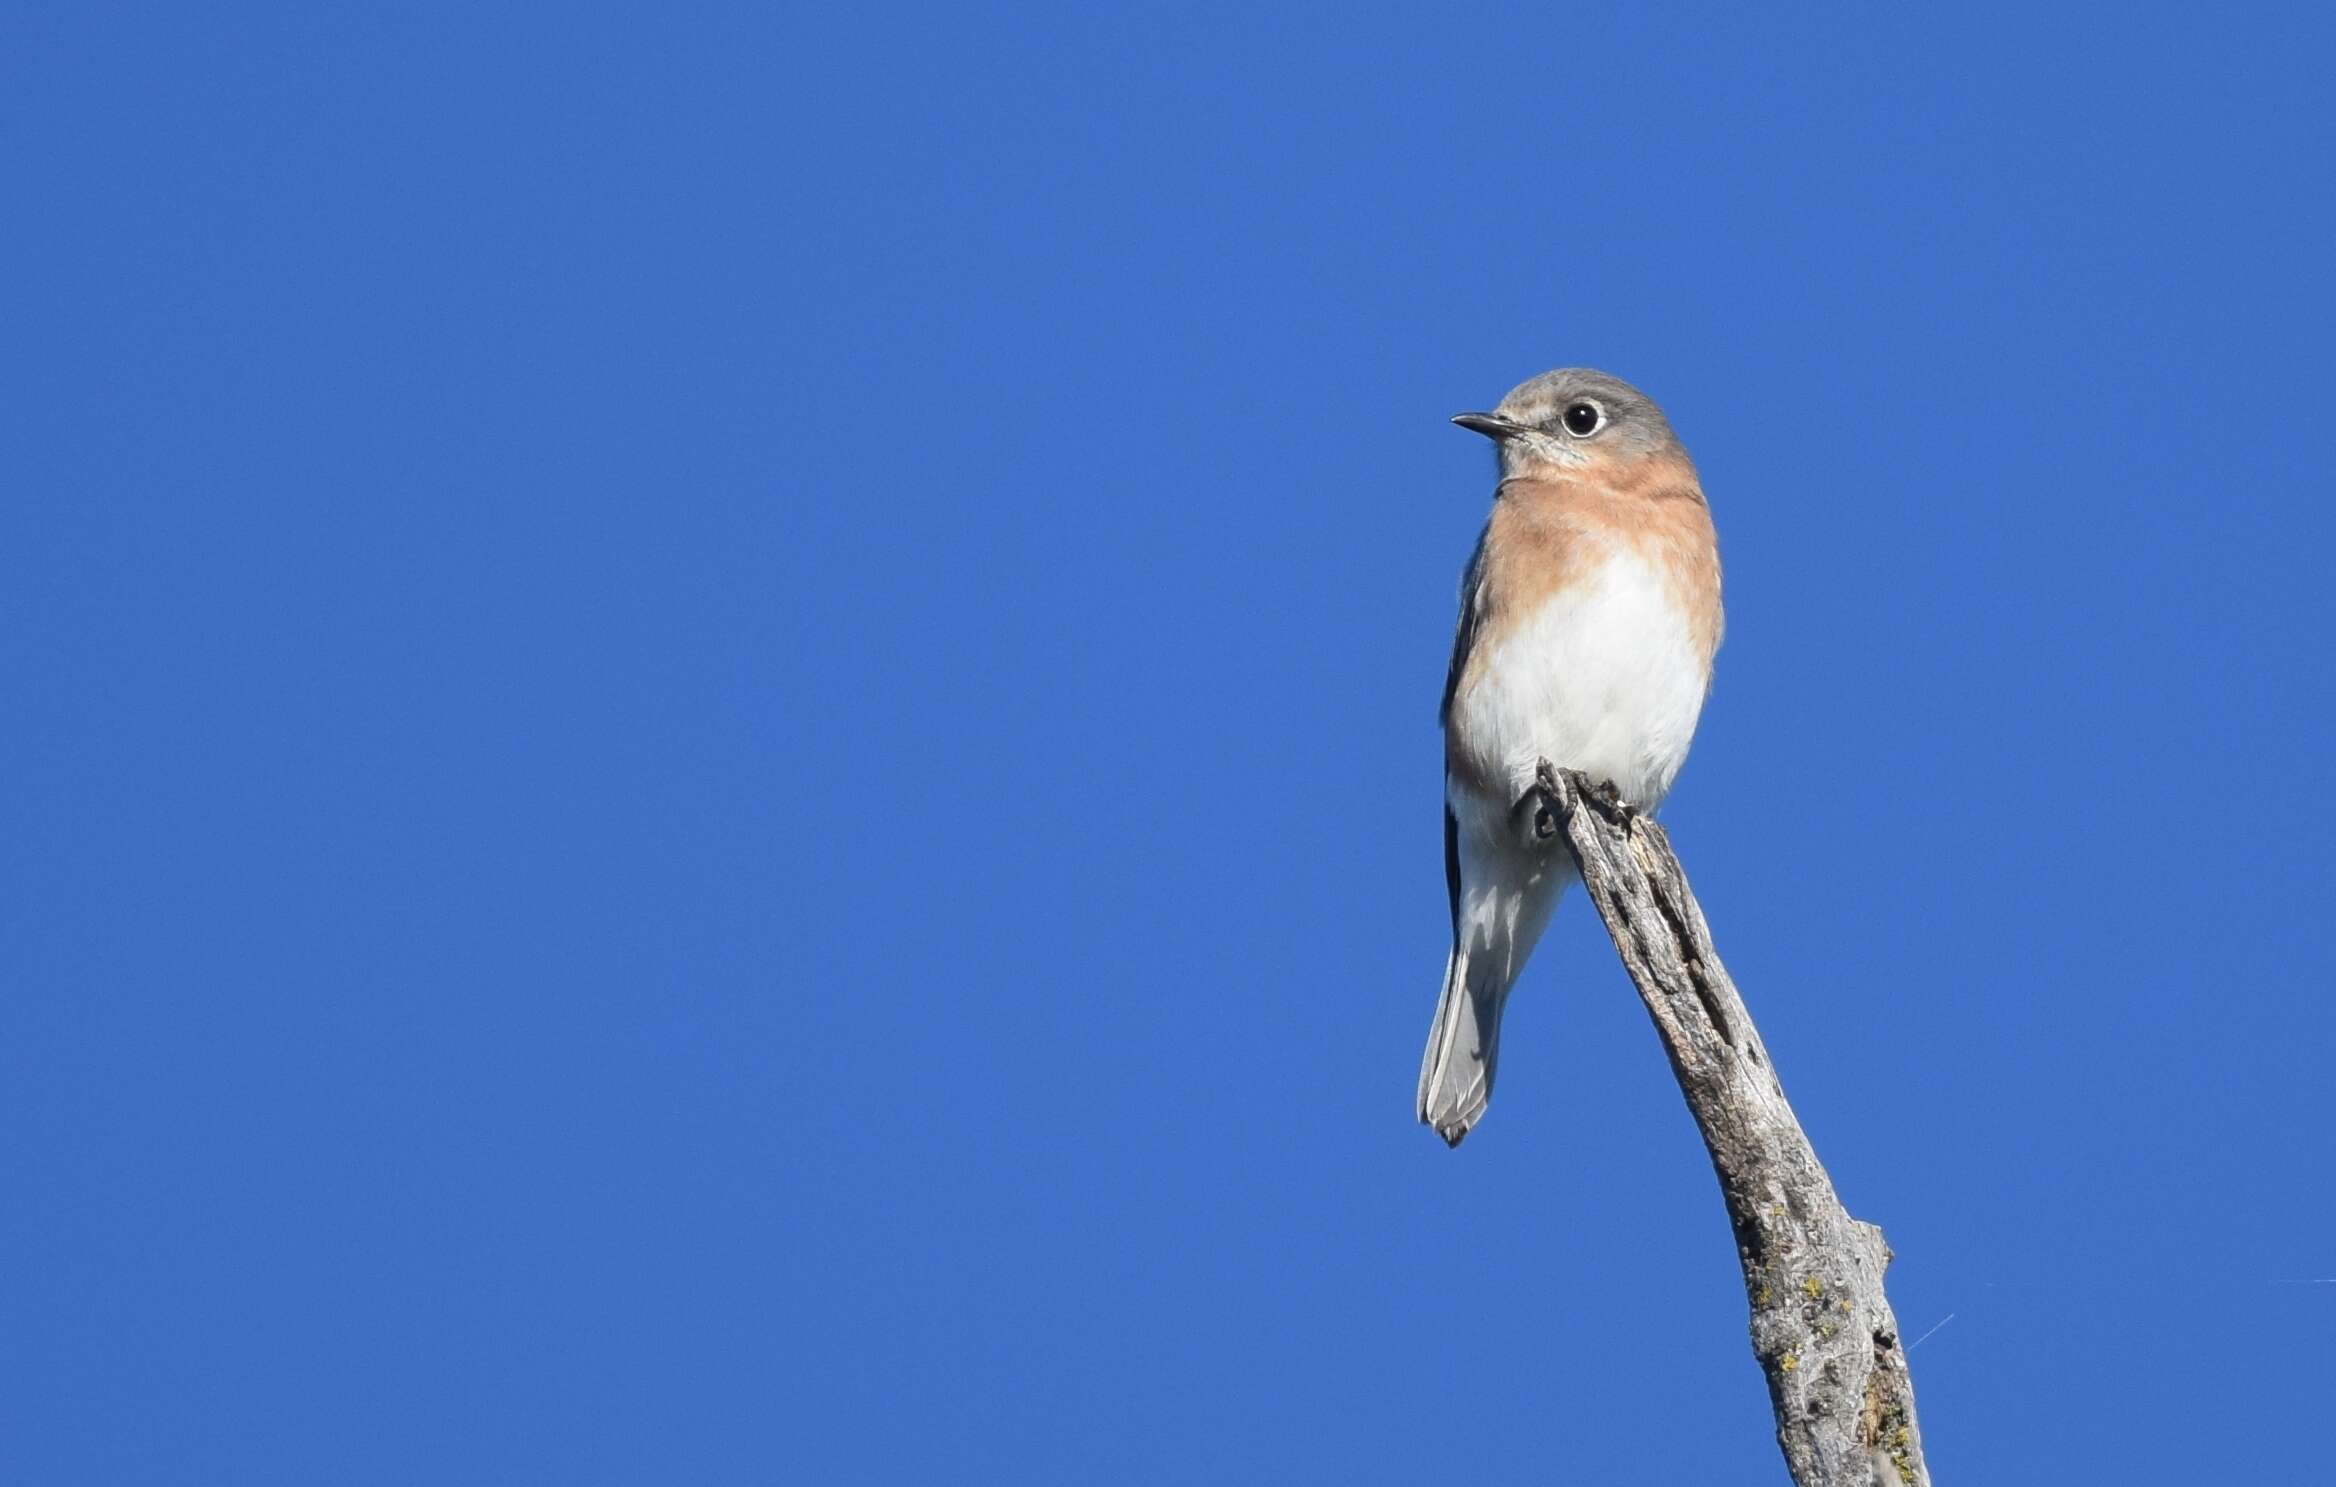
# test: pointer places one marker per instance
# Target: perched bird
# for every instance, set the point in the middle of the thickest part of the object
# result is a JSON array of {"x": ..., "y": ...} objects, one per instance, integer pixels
[{"x": 1588, "y": 620}]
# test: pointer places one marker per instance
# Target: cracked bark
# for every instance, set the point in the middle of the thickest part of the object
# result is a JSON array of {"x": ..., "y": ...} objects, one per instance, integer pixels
[{"x": 1821, "y": 1326}]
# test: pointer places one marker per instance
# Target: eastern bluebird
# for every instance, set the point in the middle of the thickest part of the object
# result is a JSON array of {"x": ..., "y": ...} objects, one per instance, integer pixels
[{"x": 1588, "y": 619}]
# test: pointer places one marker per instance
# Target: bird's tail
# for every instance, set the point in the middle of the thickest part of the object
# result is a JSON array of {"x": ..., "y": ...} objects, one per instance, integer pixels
[{"x": 1455, "y": 1078}]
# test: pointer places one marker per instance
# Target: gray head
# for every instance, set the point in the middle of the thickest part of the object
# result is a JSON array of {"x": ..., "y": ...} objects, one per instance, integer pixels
[{"x": 1563, "y": 421}]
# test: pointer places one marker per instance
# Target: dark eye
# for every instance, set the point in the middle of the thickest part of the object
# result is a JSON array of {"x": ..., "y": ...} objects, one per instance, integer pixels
[{"x": 1582, "y": 420}]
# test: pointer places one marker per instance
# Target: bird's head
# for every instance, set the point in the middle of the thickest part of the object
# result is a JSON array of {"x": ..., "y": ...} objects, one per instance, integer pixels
[{"x": 1572, "y": 420}]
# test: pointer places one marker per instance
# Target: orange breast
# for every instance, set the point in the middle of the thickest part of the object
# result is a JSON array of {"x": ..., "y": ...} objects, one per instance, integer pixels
[{"x": 1546, "y": 535}]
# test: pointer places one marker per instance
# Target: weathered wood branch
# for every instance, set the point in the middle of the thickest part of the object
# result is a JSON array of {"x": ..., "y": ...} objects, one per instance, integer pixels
[{"x": 1821, "y": 1326}]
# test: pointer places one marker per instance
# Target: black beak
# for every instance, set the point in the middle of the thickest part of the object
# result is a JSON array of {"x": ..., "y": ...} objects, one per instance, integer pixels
[{"x": 1489, "y": 426}]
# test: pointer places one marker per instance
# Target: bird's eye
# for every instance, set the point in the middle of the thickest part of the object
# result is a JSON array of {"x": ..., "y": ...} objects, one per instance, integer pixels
[{"x": 1583, "y": 419}]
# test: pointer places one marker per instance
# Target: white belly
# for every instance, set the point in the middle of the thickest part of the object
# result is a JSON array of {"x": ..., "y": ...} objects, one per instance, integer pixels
[{"x": 1605, "y": 678}]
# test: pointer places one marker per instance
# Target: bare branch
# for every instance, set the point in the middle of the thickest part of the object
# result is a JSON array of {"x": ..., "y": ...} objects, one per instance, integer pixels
[{"x": 1821, "y": 1326}]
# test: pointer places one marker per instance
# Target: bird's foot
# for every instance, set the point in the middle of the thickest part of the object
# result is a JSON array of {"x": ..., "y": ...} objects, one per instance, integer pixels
[{"x": 1537, "y": 809}]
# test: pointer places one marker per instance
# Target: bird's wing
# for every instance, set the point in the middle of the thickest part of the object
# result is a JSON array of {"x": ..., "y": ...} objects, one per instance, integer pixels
[
  {"x": 1464, "y": 639},
  {"x": 1452, "y": 867}
]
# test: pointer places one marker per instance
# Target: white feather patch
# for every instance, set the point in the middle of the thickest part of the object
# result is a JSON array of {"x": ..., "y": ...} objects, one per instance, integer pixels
[{"x": 1604, "y": 679}]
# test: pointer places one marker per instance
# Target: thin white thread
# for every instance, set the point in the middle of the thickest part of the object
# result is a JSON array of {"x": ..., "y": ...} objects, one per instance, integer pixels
[{"x": 1918, "y": 1342}]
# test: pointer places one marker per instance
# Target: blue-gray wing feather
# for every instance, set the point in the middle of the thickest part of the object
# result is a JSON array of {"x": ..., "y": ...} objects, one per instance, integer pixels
[{"x": 1463, "y": 640}]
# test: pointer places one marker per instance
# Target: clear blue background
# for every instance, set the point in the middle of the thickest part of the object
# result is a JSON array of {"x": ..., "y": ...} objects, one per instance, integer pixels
[{"x": 721, "y": 764}]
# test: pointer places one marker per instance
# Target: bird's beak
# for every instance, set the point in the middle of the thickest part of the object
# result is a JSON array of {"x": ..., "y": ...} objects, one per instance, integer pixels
[{"x": 1489, "y": 426}]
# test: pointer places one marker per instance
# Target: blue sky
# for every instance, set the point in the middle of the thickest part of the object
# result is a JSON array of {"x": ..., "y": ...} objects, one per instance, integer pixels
[{"x": 722, "y": 759}]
